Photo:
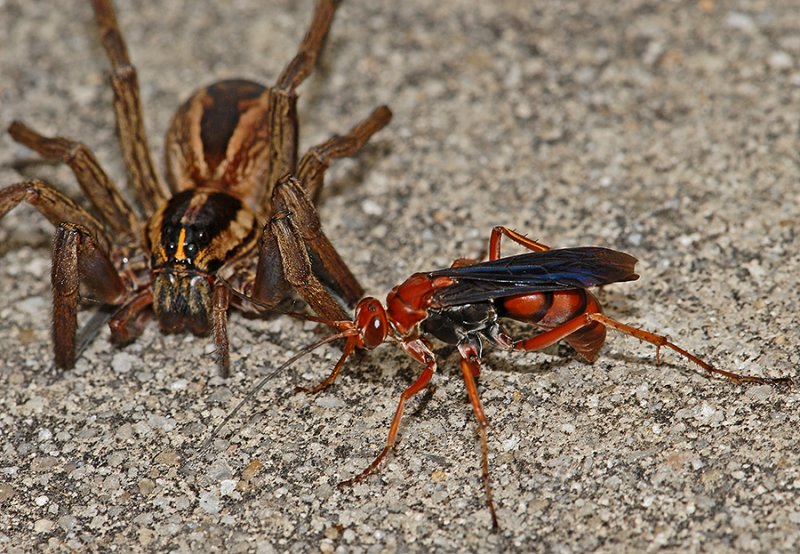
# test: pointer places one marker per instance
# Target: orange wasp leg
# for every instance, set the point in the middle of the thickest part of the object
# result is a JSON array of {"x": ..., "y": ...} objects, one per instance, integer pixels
[
  {"x": 494, "y": 245},
  {"x": 545, "y": 339},
  {"x": 420, "y": 352},
  {"x": 349, "y": 346},
  {"x": 497, "y": 235},
  {"x": 660, "y": 340},
  {"x": 470, "y": 367}
]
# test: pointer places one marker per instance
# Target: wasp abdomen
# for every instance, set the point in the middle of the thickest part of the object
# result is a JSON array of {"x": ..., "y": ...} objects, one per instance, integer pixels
[{"x": 548, "y": 310}]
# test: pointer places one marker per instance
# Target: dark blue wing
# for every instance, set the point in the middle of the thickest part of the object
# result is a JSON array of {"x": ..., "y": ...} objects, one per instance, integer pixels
[{"x": 551, "y": 270}]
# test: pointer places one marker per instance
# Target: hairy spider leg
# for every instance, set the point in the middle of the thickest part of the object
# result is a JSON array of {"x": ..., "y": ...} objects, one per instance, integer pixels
[{"x": 150, "y": 189}]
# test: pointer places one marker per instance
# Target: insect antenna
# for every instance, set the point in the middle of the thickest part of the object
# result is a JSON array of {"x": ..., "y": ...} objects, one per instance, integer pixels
[
  {"x": 266, "y": 309},
  {"x": 262, "y": 383}
]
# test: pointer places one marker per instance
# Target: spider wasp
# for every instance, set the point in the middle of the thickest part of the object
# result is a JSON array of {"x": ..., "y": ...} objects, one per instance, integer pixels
[{"x": 464, "y": 306}]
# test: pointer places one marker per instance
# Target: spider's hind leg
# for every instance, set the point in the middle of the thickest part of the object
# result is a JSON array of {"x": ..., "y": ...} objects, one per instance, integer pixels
[{"x": 150, "y": 190}]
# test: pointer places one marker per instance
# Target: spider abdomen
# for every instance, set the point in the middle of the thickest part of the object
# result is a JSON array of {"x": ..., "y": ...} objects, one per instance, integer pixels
[{"x": 220, "y": 138}]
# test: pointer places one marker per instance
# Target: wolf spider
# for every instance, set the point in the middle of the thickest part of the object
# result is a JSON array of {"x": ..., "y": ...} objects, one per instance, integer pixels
[{"x": 239, "y": 210}]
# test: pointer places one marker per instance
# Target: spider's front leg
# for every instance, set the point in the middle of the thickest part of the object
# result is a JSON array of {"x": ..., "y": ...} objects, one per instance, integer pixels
[
  {"x": 288, "y": 242},
  {"x": 80, "y": 256},
  {"x": 150, "y": 190},
  {"x": 294, "y": 236},
  {"x": 78, "y": 259},
  {"x": 95, "y": 183},
  {"x": 312, "y": 167},
  {"x": 54, "y": 205}
]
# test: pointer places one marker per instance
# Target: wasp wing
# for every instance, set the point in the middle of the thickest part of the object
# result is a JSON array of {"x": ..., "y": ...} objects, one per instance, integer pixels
[{"x": 551, "y": 270}]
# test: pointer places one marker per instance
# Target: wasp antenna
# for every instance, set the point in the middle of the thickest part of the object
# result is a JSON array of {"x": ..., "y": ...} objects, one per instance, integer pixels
[
  {"x": 271, "y": 309},
  {"x": 261, "y": 384},
  {"x": 242, "y": 296}
]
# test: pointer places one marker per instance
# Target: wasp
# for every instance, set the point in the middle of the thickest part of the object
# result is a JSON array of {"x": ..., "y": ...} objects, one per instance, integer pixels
[
  {"x": 238, "y": 206},
  {"x": 465, "y": 305}
]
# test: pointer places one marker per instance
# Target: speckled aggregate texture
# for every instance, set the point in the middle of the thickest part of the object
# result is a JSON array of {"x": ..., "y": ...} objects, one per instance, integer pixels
[{"x": 665, "y": 129}]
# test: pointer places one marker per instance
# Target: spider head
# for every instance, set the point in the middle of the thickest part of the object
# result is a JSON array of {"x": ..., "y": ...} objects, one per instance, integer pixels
[
  {"x": 202, "y": 229},
  {"x": 192, "y": 236},
  {"x": 182, "y": 298}
]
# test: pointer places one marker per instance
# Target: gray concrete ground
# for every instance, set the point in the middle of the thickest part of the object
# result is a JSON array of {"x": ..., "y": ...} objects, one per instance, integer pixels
[{"x": 665, "y": 129}]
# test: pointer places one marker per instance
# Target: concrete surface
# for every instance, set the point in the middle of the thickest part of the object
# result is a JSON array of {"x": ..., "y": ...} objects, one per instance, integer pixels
[{"x": 665, "y": 129}]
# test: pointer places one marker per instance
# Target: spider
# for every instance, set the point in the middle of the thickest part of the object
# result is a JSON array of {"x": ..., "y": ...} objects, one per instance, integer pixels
[{"x": 239, "y": 211}]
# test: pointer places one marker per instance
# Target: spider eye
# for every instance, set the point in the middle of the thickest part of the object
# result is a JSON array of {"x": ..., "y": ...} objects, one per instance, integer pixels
[
  {"x": 190, "y": 249},
  {"x": 201, "y": 238}
]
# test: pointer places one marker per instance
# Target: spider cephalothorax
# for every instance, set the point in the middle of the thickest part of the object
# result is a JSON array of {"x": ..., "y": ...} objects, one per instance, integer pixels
[
  {"x": 190, "y": 238},
  {"x": 238, "y": 209}
]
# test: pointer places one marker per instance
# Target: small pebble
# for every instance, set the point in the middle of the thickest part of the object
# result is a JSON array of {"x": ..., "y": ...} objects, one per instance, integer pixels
[
  {"x": 146, "y": 486},
  {"x": 740, "y": 21},
  {"x": 43, "y": 525},
  {"x": 122, "y": 362},
  {"x": 169, "y": 458},
  {"x": 780, "y": 61},
  {"x": 67, "y": 522},
  {"x": 209, "y": 502},
  {"x": 6, "y": 492}
]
